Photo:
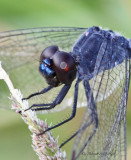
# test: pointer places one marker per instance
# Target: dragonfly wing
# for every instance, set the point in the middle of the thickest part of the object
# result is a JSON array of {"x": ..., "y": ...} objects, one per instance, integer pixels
[
  {"x": 26, "y": 45},
  {"x": 109, "y": 141},
  {"x": 20, "y": 51}
]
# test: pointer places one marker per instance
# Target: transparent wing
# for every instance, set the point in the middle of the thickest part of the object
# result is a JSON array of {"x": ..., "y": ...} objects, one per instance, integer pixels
[
  {"x": 109, "y": 141},
  {"x": 20, "y": 51}
]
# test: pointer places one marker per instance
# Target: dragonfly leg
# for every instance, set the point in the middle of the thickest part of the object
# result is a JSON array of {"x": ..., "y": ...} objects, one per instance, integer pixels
[
  {"x": 94, "y": 119},
  {"x": 73, "y": 110},
  {"x": 38, "y": 93},
  {"x": 76, "y": 133},
  {"x": 93, "y": 114},
  {"x": 91, "y": 103},
  {"x": 58, "y": 100}
]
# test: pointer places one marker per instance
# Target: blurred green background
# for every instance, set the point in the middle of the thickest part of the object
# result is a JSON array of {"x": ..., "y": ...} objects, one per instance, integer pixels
[{"x": 15, "y": 140}]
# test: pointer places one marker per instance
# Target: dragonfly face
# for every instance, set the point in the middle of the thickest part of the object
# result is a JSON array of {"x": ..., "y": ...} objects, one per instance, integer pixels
[{"x": 57, "y": 67}]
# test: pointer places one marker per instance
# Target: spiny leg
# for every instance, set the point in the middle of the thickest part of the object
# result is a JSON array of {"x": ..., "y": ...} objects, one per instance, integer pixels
[
  {"x": 78, "y": 131},
  {"x": 38, "y": 93},
  {"x": 92, "y": 107},
  {"x": 57, "y": 101},
  {"x": 88, "y": 124},
  {"x": 73, "y": 110},
  {"x": 90, "y": 98}
]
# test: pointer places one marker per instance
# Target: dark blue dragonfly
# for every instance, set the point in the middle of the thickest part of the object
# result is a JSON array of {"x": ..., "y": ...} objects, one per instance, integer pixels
[{"x": 98, "y": 59}]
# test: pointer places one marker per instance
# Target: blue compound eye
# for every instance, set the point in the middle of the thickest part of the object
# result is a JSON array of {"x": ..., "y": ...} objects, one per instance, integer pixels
[
  {"x": 44, "y": 68},
  {"x": 49, "y": 72},
  {"x": 47, "y": 61}
]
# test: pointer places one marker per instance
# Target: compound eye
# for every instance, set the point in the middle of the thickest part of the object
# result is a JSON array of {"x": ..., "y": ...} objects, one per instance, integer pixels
[
  {"x": 45, "y": 68},
  {"x": 64, "y": 67},
  {"x": 48, "y": 52},
  {"x": 63, "y": 61}
]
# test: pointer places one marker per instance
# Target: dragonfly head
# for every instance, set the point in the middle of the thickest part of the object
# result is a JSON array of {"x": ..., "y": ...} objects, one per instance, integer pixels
[{"x": 57, "y": 67}]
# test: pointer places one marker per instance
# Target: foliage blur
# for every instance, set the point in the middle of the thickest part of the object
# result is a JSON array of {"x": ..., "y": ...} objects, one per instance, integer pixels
[{"x": 15, "y": 142}]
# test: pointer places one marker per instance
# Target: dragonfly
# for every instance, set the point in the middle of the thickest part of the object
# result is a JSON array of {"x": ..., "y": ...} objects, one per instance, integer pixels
[{"x": 96, "y": 61}]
